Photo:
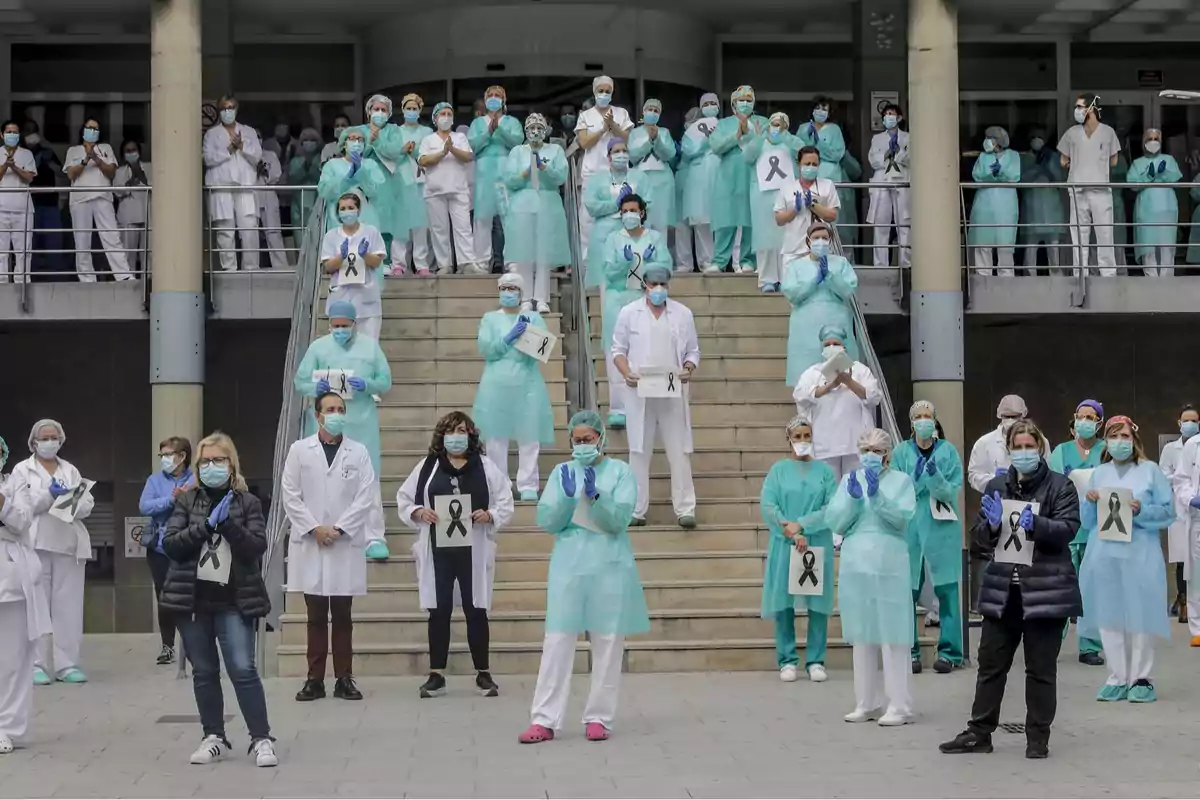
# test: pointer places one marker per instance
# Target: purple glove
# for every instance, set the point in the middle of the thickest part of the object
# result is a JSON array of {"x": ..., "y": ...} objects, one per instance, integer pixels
[
  {"x": 357, "y": 384},
  {"x": 1026, "y": 520},
  {"x": 822, "y": 269},
  {"x": 993, "y": 508},
  {"x": 649, "y": 254},
  {"x": 1162, "y": 167},
  {"x": 363, "y": 247},
  {"x": 920, "y": 467},
  {"x": 996, "y": 167},
  {"x": 799, "y": 203},
  {"x": 626, "y": 190},
  {"x": 853, "y": 488},
  {"x": 58, "y": 488},
  {"x": 568, "y": 480},
  {"x": 589, "y": 483},
  {"x": 322, "y": 387},
  {"x": 1000, "y": 473},
  {"x": 808, "y": 201},
  {"x": 628, "y": 252},
  {"x": 872, "y": 482},
  {"x": 812, "y": 131},
  {"x": 345, "y": 251}
]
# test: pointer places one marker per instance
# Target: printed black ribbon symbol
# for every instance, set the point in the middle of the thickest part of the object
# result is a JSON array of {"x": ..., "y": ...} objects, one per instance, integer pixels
[
  {"x": 708, "y": 129},
  {"x": 1013, "y": 527},
  {"x": 808, "y": 560},
  {"x": 670, "y": 381},
  {"x": 210, "y": 553},
  {"x": 542, "y": 349},
  {"x": 1114, "y": 518},
  {"x": 455, "y": 508},
  {"x": 70, "y": 501},
  {"x": 344, "y": 387},
  {"x": 942, "y": 508},
  {"x": 775, "y": 170},
  {"x": 351, "y": 265}
]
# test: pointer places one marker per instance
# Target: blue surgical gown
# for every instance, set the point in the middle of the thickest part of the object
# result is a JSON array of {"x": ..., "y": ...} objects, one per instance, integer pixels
[
  {"x": 766, "y": 235},
  {"x": 659, "y": 187},
  {"x": 1156, "y": 211},
  {"x": 511, "y": 401},
  {"x": 368, "y": 182},
  {"x": 600, "y": 199},
  {"x": 535, "y": 223},
  {"x": 620, "y": 288},
  {"x": 1044, "y": 210},
  {"x": 701, "y": 182},
  {"x": 796, "y": 491},
  {"x": 491, "y": 150},
  {"x": 731, "y": 196},
  {"x": 408, "y": 193},
  {"x": 995, "y": 206},
  {"x": 593, "y": 584},
  {"x": 874, "y": 581},
  {"x": 392, "y": 221},
  {"x": 830, "y": 144},
  {"x": 815, "y": 305},
  {"x": 938, "y": 542}
]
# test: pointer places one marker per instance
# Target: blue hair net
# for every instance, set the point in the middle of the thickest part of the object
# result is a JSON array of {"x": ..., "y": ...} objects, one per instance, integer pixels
[
  {"x": 441, "y": 106},
  {"x": 833, "y": 331},
  {"x": 342, "y": 309}
]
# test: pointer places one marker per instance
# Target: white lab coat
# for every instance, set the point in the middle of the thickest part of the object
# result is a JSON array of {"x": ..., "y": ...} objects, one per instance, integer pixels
[
  {"x": 134, "y": 204},
  {"x": 839, "y": 416},
  {"x": 344, "y": 495},
  {"x": 1185, "y": 481},
  {"x": 237, "y": 169},
  {"x": 632, "y": 339},
  {"x": 483, "y": 535},
  {"x": 989, "y": 455},
  {"x": 20, "y": 567},
  {"x": 49, "y": 533},
  {"x": 269, "y": 197},
  {"x": 1177, "y": 533}
]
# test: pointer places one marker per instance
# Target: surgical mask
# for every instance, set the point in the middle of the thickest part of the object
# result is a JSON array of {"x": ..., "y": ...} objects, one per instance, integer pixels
[
  {"x": 1026, "y": 461},
  {"x": 12, "y": 139},
  {"x": 871, "y": 460},
  {"x": 445, "y": 123},
  {"x": 819, "y": 247},
  {"x": 411, "y": 116},
  {"x": 334, "y": 424},
  {"x": 214, "y": 476},
  {"x": 710, "y": 111},
  {"x": 568, "y": 120},
  {"x": 342, "y": 335},
  {"x": 1085, "y": 428},
  {"x": 456, "y": 443},
  {"x": 745, "y": 106},
  {"x": 809, "y": 172},
  {"x": 1006, "y": 424},
  {"x": 379, "y": 118},
  {"x": 631, "y": 220},
  {"x": 585, "y": 453},
  {"x": 989, "y": 145},
  {"x": 1037, "y": 144},
  {"x": 1189, "y": 429},
  {"x": 33, "y": 139},
  {"x": 620, "y": 160},
  {"x": 91, "y": 135},
  {"x": 355, "y": 146},
  {"x": 1080, "y": 114},
  {"x": 658, "y": 295},
  {"x": 1152, "y": 147},
  {"x": 535, "y": 135},
  {"x": 831, "y": 350},
  {"x": 603, "y": 99},
  {"x": 510, "y": 299},
  {"x": 924, "y": 428},
  {"x": 309, "y": 146},
  {"x": 337, "y": 133},
  {"x": 47, "y": 448},
  {"x": 228, "y": 115},
  {"x": 891, "y": 121},
  {"x": 820, "y": 115},
  {"x": 348, "y": 217},
  {"x": 802, "y": 449},
  {"x": 774, "y": 133},
  {"x": 493, "y": 104},
  {"x": 650, "y": 117},
  {"x": 167, "y": 463},
  {"x": 1119, "y": 449},
  {"x": 132, "y": 158}
]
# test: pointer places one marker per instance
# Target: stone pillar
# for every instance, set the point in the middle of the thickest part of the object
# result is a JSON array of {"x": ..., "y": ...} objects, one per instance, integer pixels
[{"x": 177, "y": 308}]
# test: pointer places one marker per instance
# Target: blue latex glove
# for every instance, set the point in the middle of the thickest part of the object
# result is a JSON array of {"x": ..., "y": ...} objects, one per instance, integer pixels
[
  {"x": 57, "y": 488},
  {"x": 920, "y": 467},
  {"x": 589, "y": 483},
  {"x": 220, "y": 512},
  {"x": 322, "y": 387},
  {"x": 1026, "y": 520},
  {"x": 808, "y": 201},
  {"x": 355, "y": 163},
  {"x": 357, "y": 384},
  {"x": 1067, "y": 470},
  {"x": 872, "y": 482},
  {"x": 931, "y": 467},
  {"x": 626, "y": 190},
  {"x": 1000, "y": 473},
  {"x": 345, "y": 251},
  {"x": 628, "y": 252},
  {"x": 993, "y": 508},
  {"x": 1195, "y": 502},
  {"x": 537, "y": 161},
  {"x": 649, "y": 254},
  {"x": 799, "y": 204},
  {"x": 822, "y": 269},
  {"x": 363, "y": 247},
  {"x": 996, "y": 167},
  {"x": 812, "y": 131},
  {"x": 894, "y": 144},
  {"x": 516, "y": 331},
  {"x": 1162, "y": 167},
  {"x": 853, "y": 488},
  {"x": 568, "y": 479}
]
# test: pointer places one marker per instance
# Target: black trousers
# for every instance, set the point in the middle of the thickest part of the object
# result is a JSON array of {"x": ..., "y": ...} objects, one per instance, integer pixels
[
  {"x": 997, "y": 646},
  {"x": 159, "y": 564},
  {"x": 452, "y": 564}
]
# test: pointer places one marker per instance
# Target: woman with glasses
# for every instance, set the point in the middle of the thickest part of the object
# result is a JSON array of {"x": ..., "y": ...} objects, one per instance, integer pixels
[{"x": 173, "y": 478}]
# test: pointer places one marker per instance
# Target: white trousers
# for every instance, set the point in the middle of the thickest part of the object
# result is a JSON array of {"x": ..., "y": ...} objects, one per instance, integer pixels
[
  {"x": 890, "y": 207},
  {"x": 1004, "y": 256},
  {"x": 527, "y": 462},
  {"x": 273, "y": 230},
  {"x": 369, "y": 326},
  {"x": 685, "y": 255},
  {"x": 1093, "y": 209},
  {"x": 451, "y": 214},
  {"x": 553, "y": 688},
  {"x": 705, "y": 245},
  {"x": 1160, "y": 255},
  {"x": 1130, "y": 656},
  {"x": 841, "y": 465},
  {"x": 770, "y": 267},
  {"x": 16, "y": 670},
  {"x": 414, "y": 251},
  {"x": 136, "y": 243},
  {"x": 247, "y": 230},
  {"x": 535, "y": 277},
  {"x": 1193, "y": 603},
  {"x": 618, "y": 391},
  {"x": 663, "y": 416},
  {"x": 62, "y": 586},
  {"x": 873, "y": 690},
  {"x": 585, "y": 229},
  {"x": 16, "y": 233},
  {"x": 483, "y": 243},
  {"x": 100, "y": 213},
  {"x": 1053, "y": 248}
]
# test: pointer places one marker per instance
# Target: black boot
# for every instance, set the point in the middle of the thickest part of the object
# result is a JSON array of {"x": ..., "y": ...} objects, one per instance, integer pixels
[
  {"x": 1037, "y": 749},
  {"x": 313, "y": 690},
  {"x": 345, "y": 689}
]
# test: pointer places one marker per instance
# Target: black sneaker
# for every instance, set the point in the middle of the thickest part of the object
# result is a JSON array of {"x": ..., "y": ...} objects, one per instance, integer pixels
[
  {"x": 916, "y": 666},
  {"x": 344, "y": 689},
  {"x": 166, "y": 655},
  {"x": 313, "y": 690},
  {"x": 487, "y": 687},
  {"x": 1037, "y": 750},
  {"x": 943, "y": 666},
  {"x": 967, "y": 742},
  {"x": 1091, "y": 659},
  {"x": 435, "y": 686}
]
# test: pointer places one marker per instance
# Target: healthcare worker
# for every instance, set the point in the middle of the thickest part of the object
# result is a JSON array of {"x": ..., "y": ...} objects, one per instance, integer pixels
[
  {"x": 305, "y": 170},
  {"x": 270, "y": 173},
  {"x": 935, "y": 532},
  {"x": 1186, "y": 484},
  {"x": 841, "y": 406},
  {"x": 1156, "y": 212},
  {"x": 1193, "y": 251},
  {"x": 354, "y": 247},
  {"x": 685, "y": 252},
  {"x": 1083, "y": 451},
  {"x": 330, "y": 492},
  {"x": 872, "y": 509},
  {"x": 989, "y": 455},
  {"x": 773, "y": 155},
  {"x": 511, "y": 402},
  {"x": 456, "y": 465},
  {"x": 602, "y": 197},
  {"x": 403, "y": 146},
  {"x": 345, "y": 352},
  {"x": 890, "y": 205},
  {"x": 596, "y": 130},
  {"x": 352, "y": 173},
  {"x": 1124, "y": 582},
  {"x": 628, "y": 253},
  {"x": 445, "y": 156},
  {"x": 535, "y": 224},
  {"x": 827, "y": 138},
  {"x": 593, "y": 585},
  {"x": 1178, "y": 548},
  {"x": 793, "y": 501},
  {"x": 1043, "y": 213},
  {"x": 383, "y": 145},
  {"x": 699, "y": 191},
  {"x": 1088, "y": 151},
  {"x": 24, "y": 614},
  {"x": 491, "y": 137},
  {"x": 231, "y": 155},
  {"x": 657, "y": 335},
  {"x": 994, "y": 211},
  {"x": 820, "y": 286},
  {"x": 735, "y": 178},
  {"x": 92, "y": 165},
  {"x": 133, "y": 206},
  {"x": 17, "y": 170},
  {"x": 333, "y": 149},
  {"x": 848, "y": 227},
  {"x": 652, "y": 150},
  {"x": 173, "y": 477}
]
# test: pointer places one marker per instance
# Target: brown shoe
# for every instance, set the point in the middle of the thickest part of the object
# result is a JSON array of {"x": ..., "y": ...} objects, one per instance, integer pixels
[{"x": 1182, "y": 601}]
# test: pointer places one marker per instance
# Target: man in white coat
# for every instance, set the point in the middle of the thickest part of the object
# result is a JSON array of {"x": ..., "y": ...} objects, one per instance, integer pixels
[
  {"x": 1179, "y": 550},
  {"x": 270, "y": 173},
  {"x": 656, "y": 336},
  {"x": 1185, "y": 481},
  {"x": 232, "y": 152},
  {"x": 329, "y": 493},
  {"x": 890, "y": 205}
]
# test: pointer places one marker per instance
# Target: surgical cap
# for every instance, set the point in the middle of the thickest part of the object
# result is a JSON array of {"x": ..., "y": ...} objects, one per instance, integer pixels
[
  {"x": 342, "y": 309},
  {"x": 691, "y": 116},
  {"x": 511, "y": 280},
  {"x": 709, "y": 97},
  {"x": 346, "y": 135},
  {"x": 779, "y": 116},
  {"x": 1011, "y": 405},
  {"x": 833, "y": 331},
  {"x": 651, "y": 101},
  {"x": 819, "y": 225},
  {"x": 742, "y": 93},
  {"x": 799, "y": 421},
  {"x": 441, "y": 107},
  {"x": 310, "y": 135},
  {"x": 1094, "y": 405},
  {"x": 534, "y": 120},
  {"x": 920, "y": 406},
  {"x": 999, "y": 134},
  {"x": 376, "y": 98},
  {"x": 599, "y": 79},
  {"x": 875, "y": 438},
  {"x": 613, "y": 142},
  {"x": 588, "y": 419},
  {"x": 413, "y": 97},
  {"x": 1146, "y": 135},
  {"x": 500, "y": 89},
  {"x": 1119, "y": 420},
  {"x": 658, "y": 274},
  {"x": 3, "y": 452},
  {"x": 43, "y": 423}
]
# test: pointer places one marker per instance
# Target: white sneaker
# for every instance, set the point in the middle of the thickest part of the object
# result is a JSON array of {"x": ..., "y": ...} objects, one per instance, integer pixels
[
  {"x": 894, "y": 719},
  {"x": 861, "y": 715},
  {"x": 6, "y": 745},
  {"x": 543, "y": 308},
  {"x": 787, "y": 673},
  {"x": 264, "y": 753},
  {"x": 527, "y": 305},
  {"x": 212, "y": 749},
  {"x": 817, "y": 673}
]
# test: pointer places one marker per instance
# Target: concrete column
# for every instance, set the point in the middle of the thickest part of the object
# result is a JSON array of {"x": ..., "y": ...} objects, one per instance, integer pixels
[{"x": 177, "y": 308}]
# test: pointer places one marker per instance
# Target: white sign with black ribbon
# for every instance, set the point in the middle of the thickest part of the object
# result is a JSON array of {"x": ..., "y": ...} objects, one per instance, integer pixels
[
  {"x": 338, "y": 380},
  {"x": 453, "y": 528},
  {"x": 941, "y": 510},
  {"x": 537, "y": 343},
  {"x": 66, "y": 507},
  {"x": 1115, "y": 512},
  {"x": 806, "y": 572},
  {"x": 1015, "y": 546},
  {"x": 658, "y": 382}
]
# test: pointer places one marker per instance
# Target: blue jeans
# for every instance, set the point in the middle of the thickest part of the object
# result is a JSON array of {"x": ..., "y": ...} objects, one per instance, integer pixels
[{"x": 201, "y": 634}]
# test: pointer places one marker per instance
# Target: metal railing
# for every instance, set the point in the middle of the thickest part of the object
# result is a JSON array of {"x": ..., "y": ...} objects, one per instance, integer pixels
[{"x": 587, "y": 396}]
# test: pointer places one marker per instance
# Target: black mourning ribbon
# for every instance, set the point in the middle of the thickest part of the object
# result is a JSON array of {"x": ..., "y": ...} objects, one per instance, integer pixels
[
  {"x": 542, "y": 349},
  {"x": 210, "y": 553},
  {"x": 775, "y": 169},
  {"x": 1114, "y": 515},
  {"x": 1013, "y": 527},
  {"x": 344, "y": 387},
  {"x": 70, "y": 502},
  {"x": 942, "y": 507},
  {"x": 456, "y": 509},
  {"x": 351, "y": 264},
  {"x": 670, "y": 381},
  {"x": 808, "y": 560}
]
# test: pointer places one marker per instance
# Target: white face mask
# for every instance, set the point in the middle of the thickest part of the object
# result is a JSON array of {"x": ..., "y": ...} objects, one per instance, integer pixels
[
  {"x": 802, "y": 449},
  {"x": 167, "y": 463},
  {"x": 1006, "y": 424},
  {"x": 831, "y": 350},
  {"x": 1153, "y": 147},
  {"x": 1080, "y": 114},
  {"x": 1037, "y": 144},
  {"x": 48, "y": 448}
]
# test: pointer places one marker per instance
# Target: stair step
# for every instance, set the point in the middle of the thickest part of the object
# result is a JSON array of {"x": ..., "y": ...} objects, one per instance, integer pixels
[
  {"x": 741, "y": 484},
  {"x": 764, "y": 323},
  {"x": 449, "y": 286},
  {"x": 709, "y": 510},
  {"x": 729, "y": 367},
  {"x": 448, "y": 306},
  {"x": 660, "y": 539},
  {"x": 393, "y": 412},
  {"x": 431, "y": 325},
  {"x": 721, "y": 304},
  {"x": 460, "y": 393},
  {"x": 459, "y": 368},
  {"x": 713, "y": 390},
  {"x": 446, "y": 346},
  {"x": 776, "y": 411},
  {"x": 391, "y": 660},
  {"x": 732, "y": 434}
]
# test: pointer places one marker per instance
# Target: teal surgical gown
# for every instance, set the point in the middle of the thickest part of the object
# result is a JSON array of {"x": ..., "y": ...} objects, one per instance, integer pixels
[
  {"x": 830, "y": 144},
  {"x": 620, "y": 287},
  {"x": 1193, "y": 251},
  {"x": 1064, "y": 460},
  {"x": 937, "y": 542},
  {"x": 765, "y": 234},
  {"x": 600, "y": 199},
  {"x": 1120, "y": 220},
  {"x": 303, "y": 171},
  {"x": 735, "y": 176},
  {"x": 683, "y": 169},
  {"x": 659, "y": 188},
  {"x": 1156, "y": 211},
  {"x": 874, "y": 583},
  {"x": 593, "y": 584},
  {"x": 1044, "y": 210},
  {"x": 847, "y": 221},
  {"x": 368, "y": 182},
  {"x": 368, "y": 362},
  {"x": 995, "y": 207},
  {"x": 383, "y": 154},
  {"x": 796, "y": 491},
  {"x": 491, "y": 150},
  {"x": 407, "y": 193},
  {"x": 535, "y": 223},
  {"x": 815, "y": 305},
  {"x": 511, "y": 401},
  {"x": 701, "y": 183}
]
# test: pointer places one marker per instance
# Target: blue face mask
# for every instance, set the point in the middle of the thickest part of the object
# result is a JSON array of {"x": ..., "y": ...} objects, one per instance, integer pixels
[
  {"x": 228, "y": 115},
  {"x": 820, "y": 115},
  {"x": 510, "y": 299},
  {"x": 379, "y": 118},
  {"x": 631, "y": 220},
  {"x": 12, "y": 139},
  {"x": 456, "y": 443},
  {"x": 745, "y": 107},
  {"x": 132, "y": 158},
  {"x": 924, "y": 428},
  {"x": 650, "y": 117},
  {"x": 890, "y": 121},
  {"x": 1119, "y": 449},
  {"x": 355, "y": 146},
  {"x": 335, "y": 424},
  {"x": 348, "y": 217},
  {"x": 710, "y": 111},
  {"x": 1085, "y": 428},
  {"x": 343, "y": 335},
  {"x": 411, "y": 116},
  {"x": 214, "y": 476},
  {"x": 603, "y": 99},
  {"x": 819, "y": 247},
  {"x": 658, "y": 295},
  {"x": 91, "y": 135},
  {"x": 585, "y": 453},
  {"x": 871, "y": 460},
  {"x": 568, "y": 121},
  {"x": 773, "y": 134},
  {"x": 1189, "y": 429},
  {"x": 493, "y": 104},
  {"x": 1026, "y": 461},
  {"x": 620, "y": 160},
  {"x": 809, "y": 172}
]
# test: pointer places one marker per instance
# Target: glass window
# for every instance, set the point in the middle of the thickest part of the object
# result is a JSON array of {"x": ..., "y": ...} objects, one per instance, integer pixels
[
  {"x": 1018, "y": 117},
  {"x": 1007, "y": 67},
  {"x": 787, "y": 67}
]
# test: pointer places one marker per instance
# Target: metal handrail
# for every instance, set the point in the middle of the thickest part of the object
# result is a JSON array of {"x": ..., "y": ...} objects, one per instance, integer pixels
[{"x": 581, "y": 323}]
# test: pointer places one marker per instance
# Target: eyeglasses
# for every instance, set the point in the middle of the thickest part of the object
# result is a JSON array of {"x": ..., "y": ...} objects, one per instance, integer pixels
[{"x": 216, "y": 461}]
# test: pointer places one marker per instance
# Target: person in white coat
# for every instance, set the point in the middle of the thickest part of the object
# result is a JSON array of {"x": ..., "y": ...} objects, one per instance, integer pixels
[
  {"x": 17, "y": 171},
  {"x": 989, "y": 457},
  {"x": 596, "y": 127},
  {"x": 456, "y": 467},
  {"x": 334, "y": 149},
  {"x": 133, "y": 204},
  {"x": 841, "y": 404},
  {"x": 1178, "y": 547},
  {"x": 63, "y": 548},
  {"x": 92, "y": 165},
  {"x": 24, "y": 616},
  {"x": 656, "y": 335},
  {"x": 329, "y": 494},
  {"x": 232, "y": 152},
  {"x": 1185, "y": 482},
  {"x": 1088, "y": 151},
  {"x": 890, "y": 206},
  {"x": 446, "y": 156},
  {"x": 270, "y": 173}
]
